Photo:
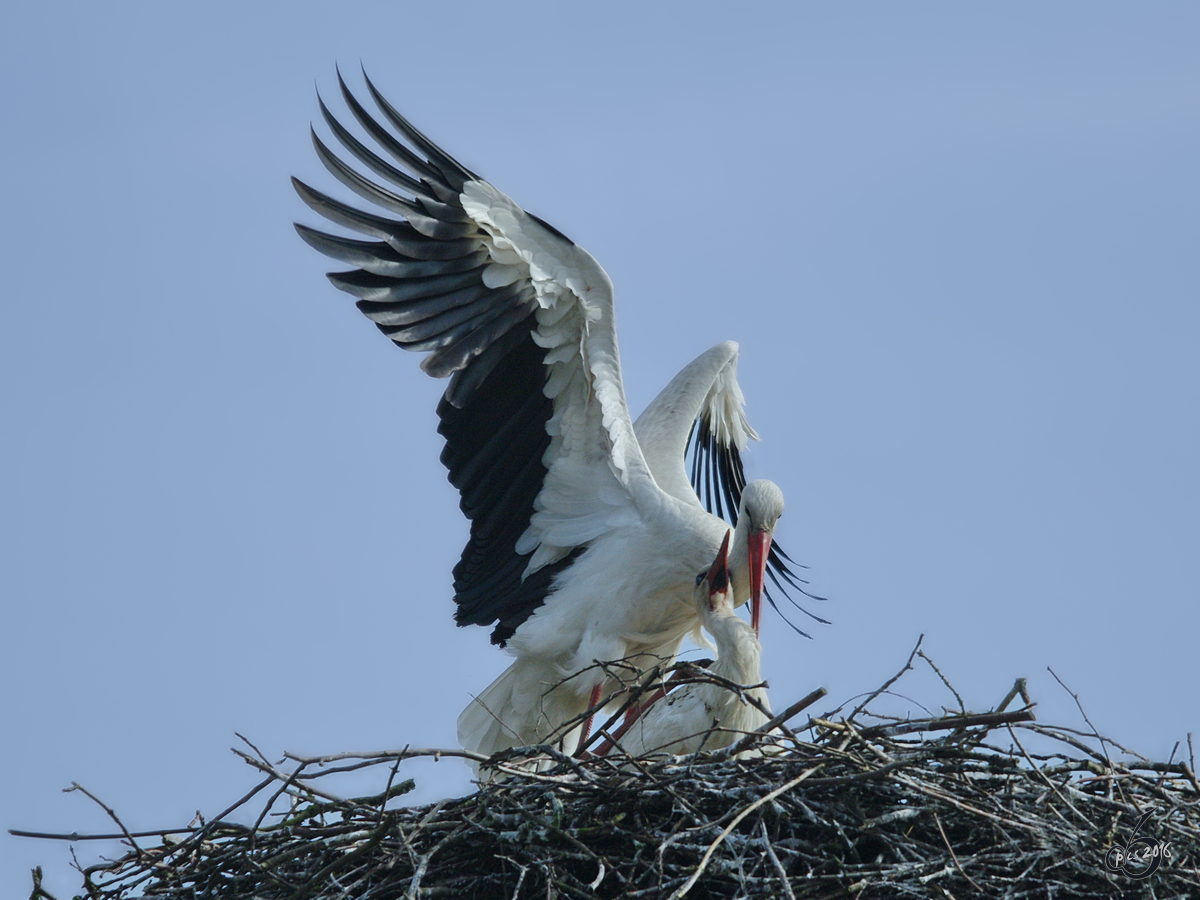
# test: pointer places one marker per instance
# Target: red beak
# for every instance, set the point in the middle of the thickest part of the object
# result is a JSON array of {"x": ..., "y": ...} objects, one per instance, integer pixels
[
  {"x": 718, "y": 574},
  {"x": 760, "y": 550}
]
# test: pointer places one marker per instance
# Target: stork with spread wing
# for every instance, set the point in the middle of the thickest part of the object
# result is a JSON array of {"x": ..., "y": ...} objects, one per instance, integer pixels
[{"x": 586, "y": 532}]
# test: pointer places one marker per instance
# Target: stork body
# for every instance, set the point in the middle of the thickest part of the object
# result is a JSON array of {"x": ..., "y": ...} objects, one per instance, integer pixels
[
  {"x": 585, "y": 531},
  {"x": 629, "y": 597},
  {"x": 707, "y": 715}
]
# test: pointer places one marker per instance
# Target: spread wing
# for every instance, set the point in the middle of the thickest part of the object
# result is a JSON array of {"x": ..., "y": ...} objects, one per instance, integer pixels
[
  {"x": 539, "y": 440},
  {"x": 693, "y": 434}
]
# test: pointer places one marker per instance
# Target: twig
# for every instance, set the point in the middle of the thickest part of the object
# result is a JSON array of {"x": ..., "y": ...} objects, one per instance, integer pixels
[
  {"x": 771, "y": 855},
  {"x": 39, "y": 892},
  {"x": 887, "y": 684},
  {"x": 962, "y": 706},
  {"x": 406, "y": 753},
  {"x": 1095, "y": 733},
  {"x": 281, "y": 776},
  {"x": 75, "y": 786},
  {"x": 76, "y": 836},
  {"x": 945, "y": 723},
  {"x": 1045, "y": 778},
  {"x": 767, "y": 798},
  {"x": 1017, "y": 688},
  {"x": 937, "y": 821},
  {"x": 784, "y": 716}
]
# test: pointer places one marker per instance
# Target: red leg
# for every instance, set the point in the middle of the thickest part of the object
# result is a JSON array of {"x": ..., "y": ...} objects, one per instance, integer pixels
[
  {"x": 587, "y": 723},
  {"x": 634, "y": 712}
]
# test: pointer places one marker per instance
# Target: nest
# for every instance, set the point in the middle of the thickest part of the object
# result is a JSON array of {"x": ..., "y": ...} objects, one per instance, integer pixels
[{"x": 991, "y": 804}]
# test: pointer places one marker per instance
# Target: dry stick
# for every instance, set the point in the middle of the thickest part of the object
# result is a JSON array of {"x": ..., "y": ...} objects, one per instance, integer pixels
[
  {"x": 1098, "y": 757},
  {"x": 387, "y": 790},
  {"x": 869, "y": 775},
  {"x": 414, "y": 886},
  {"x": 1163, "y": 772},
  {"x": 948, "y": 723},
  {"x": 612, "y": 738},
  {"x": 1059, "y": 733},
  {"x": 213, "y": 823},
  {"x": 714, "y": 728},
  {"x": 76, "y": 786},
  {"x": 783, "y": 877},
  {"x": 766, "y": 798},
  {"x": 667, "y": 787},
  {"x": 887, "y": 684},
  {"x": 962, "y": 706},
  {"x": 954, "y": 801},
  {"x": 1103, "y": 743},
  {"x": 569, "y": 838},
  {"x": 247, "y": 742},
  {"x": 1017, "y": 688},
  {"x": 953, "y": 856},
  {"x": 76, "y": 836},
  {"x": 784, "y": 716},
  {"x": 520, "y": 878},
  {"x": 291, "y": 779},
  {"x": 945, "y": 723},
  {"x": 1191, "y": 771},
  {"x": 875, "y": 750},
  {"x": 527, "y": 752},
  {"x": 641, "y": 679},
  {"x": 280, "y": 776},
  {"x": 39, "y": 893},
  {"x": 406, "y": 753},
  {"x": 787, "y": 732}
]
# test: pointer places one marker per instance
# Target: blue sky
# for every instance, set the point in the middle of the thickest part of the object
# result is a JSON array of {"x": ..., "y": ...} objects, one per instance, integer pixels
[{"x": 957, "y": 244}]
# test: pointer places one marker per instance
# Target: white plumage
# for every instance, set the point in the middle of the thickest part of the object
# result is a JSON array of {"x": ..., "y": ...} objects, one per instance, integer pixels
[
  {"x": 707, "y": 715},
  {"x": 586, "y": 531},
  {"x": 631, "y": 596}
]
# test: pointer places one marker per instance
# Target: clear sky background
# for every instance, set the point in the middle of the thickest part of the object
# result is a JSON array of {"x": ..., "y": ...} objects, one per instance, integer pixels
[{"x": 958, "y": 243}]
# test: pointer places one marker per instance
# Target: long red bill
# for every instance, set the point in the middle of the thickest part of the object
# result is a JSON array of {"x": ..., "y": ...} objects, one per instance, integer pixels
[
  {"x": 760, "y": 550},
  {"x": 718, "y": 574}
]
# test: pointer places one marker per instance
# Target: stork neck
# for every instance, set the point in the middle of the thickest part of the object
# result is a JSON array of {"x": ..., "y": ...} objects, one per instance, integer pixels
[{"x": 738, "y": 652}]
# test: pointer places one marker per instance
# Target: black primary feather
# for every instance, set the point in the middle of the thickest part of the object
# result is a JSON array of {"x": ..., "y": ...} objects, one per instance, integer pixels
[
  {"x": 421, "y": 282},
  {"x": 717, "y": 472}
]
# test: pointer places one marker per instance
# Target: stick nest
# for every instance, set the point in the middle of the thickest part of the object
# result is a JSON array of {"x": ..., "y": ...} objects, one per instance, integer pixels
[{"x": 861, "y": 806}]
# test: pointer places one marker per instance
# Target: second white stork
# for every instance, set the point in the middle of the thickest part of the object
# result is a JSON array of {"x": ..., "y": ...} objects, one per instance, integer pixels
[
  {"x": 585, "y": 531},
  {"x": 708, "y": 715}
]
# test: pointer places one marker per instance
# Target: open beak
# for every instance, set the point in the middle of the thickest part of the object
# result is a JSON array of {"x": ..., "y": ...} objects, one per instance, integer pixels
[
  {"x": 718, "y": 574},
  {"x": 760, "y": 549}
]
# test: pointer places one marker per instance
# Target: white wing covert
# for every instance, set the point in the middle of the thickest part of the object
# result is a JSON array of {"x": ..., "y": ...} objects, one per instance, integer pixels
[
  {"x": 592, "y": 453},
  {"x": 704, "y": 395}
]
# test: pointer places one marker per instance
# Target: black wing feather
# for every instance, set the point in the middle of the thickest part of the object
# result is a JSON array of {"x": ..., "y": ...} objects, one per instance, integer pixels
[
  {"x": 455, "y": 174},
  {"x": 421, "y": 281},
  {"x": 380, "y": 258},
  {"x": 717, "y": 471},
  {"x": 372, "y": 160}
]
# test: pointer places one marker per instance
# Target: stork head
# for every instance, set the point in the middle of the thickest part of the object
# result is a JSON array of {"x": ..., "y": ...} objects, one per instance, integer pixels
[
  {"x": 760, "y": 509},
  {"x": 713, "y": 586}
]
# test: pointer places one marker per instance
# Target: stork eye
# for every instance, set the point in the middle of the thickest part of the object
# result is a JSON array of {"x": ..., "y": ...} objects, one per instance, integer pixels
[{"x": 700, "y": 578}]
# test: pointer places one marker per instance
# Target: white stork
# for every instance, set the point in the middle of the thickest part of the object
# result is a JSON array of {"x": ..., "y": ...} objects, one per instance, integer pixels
[
  {"x": 586, "y": 533},
  {"x": 706, "y": 714}
]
